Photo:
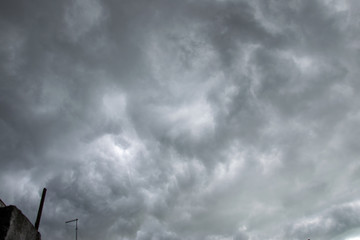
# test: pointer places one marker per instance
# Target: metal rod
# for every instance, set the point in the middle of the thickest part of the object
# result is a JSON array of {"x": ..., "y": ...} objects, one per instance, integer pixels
[
  {"x": 71, "y": 220},
  {"x": 37, "y": 223},
  {"x": 76, "y": 226}
]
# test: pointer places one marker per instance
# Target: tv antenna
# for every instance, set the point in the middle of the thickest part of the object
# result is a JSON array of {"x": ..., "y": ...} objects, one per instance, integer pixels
[{"x": 76, "y": 227}]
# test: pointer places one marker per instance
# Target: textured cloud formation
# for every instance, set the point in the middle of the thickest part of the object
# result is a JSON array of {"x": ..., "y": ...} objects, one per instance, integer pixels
[{"x": 161, "y": 119}]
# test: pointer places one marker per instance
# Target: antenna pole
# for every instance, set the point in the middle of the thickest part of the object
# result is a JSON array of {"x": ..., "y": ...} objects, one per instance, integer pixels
[{"x": 76, "y": 226}]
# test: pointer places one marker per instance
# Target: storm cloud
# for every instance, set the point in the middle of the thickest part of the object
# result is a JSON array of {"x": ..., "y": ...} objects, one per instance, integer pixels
[{"x": 154, "y": 120}]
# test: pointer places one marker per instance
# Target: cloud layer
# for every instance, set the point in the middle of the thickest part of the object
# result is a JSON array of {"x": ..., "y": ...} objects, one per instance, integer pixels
[{"x": 176, "y": 120}]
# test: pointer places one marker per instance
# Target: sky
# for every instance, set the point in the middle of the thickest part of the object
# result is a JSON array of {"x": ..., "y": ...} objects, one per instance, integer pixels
[{"x": 182, "y": 120}]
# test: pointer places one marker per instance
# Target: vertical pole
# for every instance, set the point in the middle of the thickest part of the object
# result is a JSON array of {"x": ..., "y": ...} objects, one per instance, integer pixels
[
  {"x": 37, "y": 223},
  {"x": 76, "y": 228}
]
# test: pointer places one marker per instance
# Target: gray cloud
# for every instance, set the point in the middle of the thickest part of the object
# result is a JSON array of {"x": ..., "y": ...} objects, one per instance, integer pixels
[
  {"x": 334, "y": 221},
  {"x": 182, "y": 120}
]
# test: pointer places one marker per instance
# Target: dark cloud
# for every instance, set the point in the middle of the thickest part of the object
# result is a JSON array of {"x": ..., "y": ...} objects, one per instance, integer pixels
[{"x": 182, "y": 119}]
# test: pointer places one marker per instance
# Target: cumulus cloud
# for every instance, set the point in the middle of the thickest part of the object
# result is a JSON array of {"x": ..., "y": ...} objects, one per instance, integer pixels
[{"x": 182, "y": 119}]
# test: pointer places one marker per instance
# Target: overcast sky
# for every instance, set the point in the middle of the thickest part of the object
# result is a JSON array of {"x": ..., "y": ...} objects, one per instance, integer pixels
[{"x": 182, "y": 120}]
